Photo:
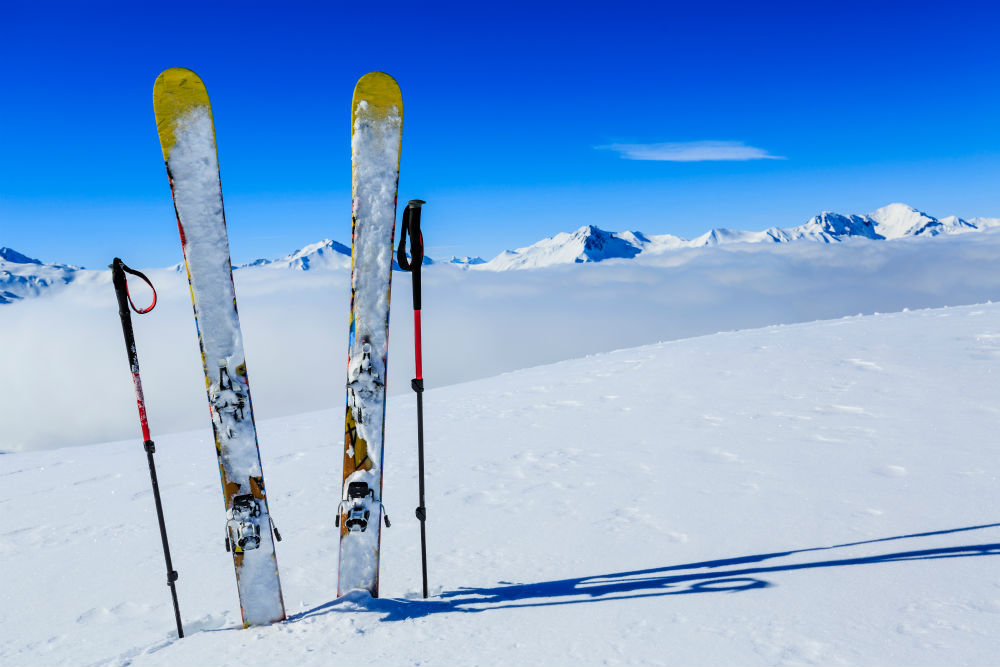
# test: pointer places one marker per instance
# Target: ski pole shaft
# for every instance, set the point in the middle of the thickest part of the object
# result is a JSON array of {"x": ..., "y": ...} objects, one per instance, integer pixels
[
  {"x": 411, "y": 226},
  {"x": 118, "y": 279},
  {"x": 171, "y": 572},
  {"x": 421, "y": 509}
]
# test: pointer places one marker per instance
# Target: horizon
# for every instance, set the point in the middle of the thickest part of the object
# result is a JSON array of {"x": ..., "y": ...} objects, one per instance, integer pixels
[
  {"x": 325, "y": 242},
  {"x": 732, "y": 115}
]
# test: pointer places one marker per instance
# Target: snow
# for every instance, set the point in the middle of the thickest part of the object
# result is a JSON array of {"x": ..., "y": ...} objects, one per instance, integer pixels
[
  {"x": 375, "y": 151},
  {"x": 898, "y": 220},
  {"x": 20, "y": 279},
  {"x": 592, "y": 244},
  {"x": 587, "y": 244},
  {"x": 325, "y": 254},
  {"x": 197, "y": 192},
  {"x": 194, "y": 167},
  {"x": 818, "y": 493},
  {"x": 24, "y": 277}
]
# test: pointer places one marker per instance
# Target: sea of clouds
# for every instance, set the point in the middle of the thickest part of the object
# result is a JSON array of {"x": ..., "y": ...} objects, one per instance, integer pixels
[{"x": 66, "y": 380}]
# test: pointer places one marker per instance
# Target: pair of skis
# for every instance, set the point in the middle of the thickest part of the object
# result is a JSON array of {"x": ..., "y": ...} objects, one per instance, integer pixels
[{"x": 187, "y": 137}]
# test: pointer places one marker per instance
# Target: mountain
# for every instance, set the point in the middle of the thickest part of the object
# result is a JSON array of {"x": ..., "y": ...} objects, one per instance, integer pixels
[
  {"x": 325, "y": 254},
  {"x": 587, "y": 244},
  {"x": 592, "y": 244},
  {"x": 22, "y": 276},
  {"x": 466, "y": 261}
]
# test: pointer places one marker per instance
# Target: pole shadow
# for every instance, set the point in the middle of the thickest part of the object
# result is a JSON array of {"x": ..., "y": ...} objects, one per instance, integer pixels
[{"x": 727, "y": 575}]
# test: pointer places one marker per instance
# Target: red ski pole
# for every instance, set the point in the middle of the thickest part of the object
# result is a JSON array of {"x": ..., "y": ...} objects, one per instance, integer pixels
[
  {"x": 118, "y": 271},
  {"x": 411, "y": 226}
]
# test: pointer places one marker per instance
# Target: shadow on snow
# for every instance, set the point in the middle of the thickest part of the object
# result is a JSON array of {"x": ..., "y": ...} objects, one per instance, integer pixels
[{"x": 727, "y": 575}]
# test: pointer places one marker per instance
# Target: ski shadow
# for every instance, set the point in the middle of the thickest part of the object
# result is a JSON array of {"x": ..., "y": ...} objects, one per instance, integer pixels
[{"x": 726, "y": 575}]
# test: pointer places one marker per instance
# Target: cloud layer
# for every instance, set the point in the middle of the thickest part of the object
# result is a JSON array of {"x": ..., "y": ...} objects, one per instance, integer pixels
[
  {"x": 66, "y": 379},
  {"x": 692, "y": 151}
]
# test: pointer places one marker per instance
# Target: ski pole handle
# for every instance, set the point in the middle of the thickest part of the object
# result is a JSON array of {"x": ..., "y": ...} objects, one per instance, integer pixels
[
  {"x": 118, "y": 279},
  {"x": 411, "y": 226},
  {"x": 118, "y": 271}
]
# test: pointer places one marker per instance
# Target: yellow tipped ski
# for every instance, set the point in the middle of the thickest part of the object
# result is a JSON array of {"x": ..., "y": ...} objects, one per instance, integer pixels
[
  {"x": 187, "y": 137},
  {"x": 176, "y": 93},
  {"x": 376, "y": 137}
]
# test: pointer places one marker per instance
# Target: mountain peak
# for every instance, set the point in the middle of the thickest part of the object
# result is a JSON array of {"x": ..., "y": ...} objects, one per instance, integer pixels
[
  {"x": 326, "y": 253},
  {"x": 897, "y": 220},
  {"x": 587, "y": 244},
  {"x": 11, "y": 255}
]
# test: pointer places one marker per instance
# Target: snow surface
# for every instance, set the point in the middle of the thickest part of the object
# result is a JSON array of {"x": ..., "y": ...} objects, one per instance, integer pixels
[{"x": 820, "y": 493}]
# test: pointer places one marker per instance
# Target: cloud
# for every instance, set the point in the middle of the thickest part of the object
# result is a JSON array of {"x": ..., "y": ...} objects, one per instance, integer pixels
[
  {"x": 74, "y": 388},
  {"x": 692, "y": 151}
]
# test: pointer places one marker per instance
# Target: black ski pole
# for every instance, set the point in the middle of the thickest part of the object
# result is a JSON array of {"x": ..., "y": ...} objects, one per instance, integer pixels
[
  {"x": 118, "y": 271},
  {"x": 411, "y": 226}
]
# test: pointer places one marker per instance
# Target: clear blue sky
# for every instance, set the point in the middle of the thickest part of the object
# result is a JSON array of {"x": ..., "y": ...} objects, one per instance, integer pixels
[{"x": 519, "y": 117}]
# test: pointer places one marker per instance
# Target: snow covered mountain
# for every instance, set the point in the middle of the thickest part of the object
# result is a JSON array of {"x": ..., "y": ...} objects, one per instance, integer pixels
[
  {"x": 467, "y": 260},
  {"x": 587, "y": 244},
  {"x": 22, "y": 276},
  {"x": 325, "y": 254},
  {"x": 592, "y": 244}
]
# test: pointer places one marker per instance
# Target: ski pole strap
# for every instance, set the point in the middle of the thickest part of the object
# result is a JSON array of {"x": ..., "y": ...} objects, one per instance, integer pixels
[
  {"x": 411, "y": 226},
  {"x": 119, "y": 269}
]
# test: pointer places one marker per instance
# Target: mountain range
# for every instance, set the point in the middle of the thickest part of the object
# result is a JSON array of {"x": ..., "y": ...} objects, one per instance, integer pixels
[
  {"x": 591, "y": 244},
  {"x": 22, "y": 277}
]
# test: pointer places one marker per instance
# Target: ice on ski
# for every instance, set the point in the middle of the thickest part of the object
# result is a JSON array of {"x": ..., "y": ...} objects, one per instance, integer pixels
[
  {"x": 194, "y": 167},
  {"x": 194, "y": 170},
  {"x": 375, "y": 142},
  {"x": 374, "y": 203},
  {"x": 260, "y": 597}
]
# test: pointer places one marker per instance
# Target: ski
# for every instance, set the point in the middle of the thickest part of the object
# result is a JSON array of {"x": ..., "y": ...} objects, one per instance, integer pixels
[
  {"x": 376, "y": 135},
  {"x": 187, "y": 136}
]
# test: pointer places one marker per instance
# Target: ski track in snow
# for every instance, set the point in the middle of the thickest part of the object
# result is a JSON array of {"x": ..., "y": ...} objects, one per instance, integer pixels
[{"x": 804, "y": 494}]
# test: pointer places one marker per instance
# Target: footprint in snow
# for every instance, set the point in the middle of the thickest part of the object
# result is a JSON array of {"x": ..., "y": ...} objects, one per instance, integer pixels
[{"x": 861, "y": 364}]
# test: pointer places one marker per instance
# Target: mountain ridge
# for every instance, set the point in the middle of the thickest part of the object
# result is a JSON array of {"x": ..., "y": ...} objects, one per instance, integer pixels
[{"x": 22, "y": 276}]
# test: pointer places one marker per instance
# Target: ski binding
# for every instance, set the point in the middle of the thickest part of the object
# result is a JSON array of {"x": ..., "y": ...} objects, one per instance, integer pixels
[
  {"x": 364, "y": 381},
  {"x": 228, "y": 400},
  {"x": 357, "y": 508},
  {"x": 243, "y": 519}
]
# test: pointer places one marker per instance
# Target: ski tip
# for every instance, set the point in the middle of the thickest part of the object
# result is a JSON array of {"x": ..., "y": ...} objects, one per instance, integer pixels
[
  {"x": 176, "y": 91},
  {"x": 380, "y": 91}
]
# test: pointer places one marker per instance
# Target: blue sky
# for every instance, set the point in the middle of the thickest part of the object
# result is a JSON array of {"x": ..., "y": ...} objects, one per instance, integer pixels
[{"x": 520, "y": 119}]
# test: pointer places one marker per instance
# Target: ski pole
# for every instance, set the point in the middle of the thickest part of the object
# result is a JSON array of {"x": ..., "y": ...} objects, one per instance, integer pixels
[
  {"x": 118, "y": 271},
  {"x": 411, "y": 226}
]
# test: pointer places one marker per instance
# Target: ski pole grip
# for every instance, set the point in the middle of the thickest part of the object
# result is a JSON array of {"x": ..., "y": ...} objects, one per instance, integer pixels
[
  {"x": 412, "y": 212},
  {"x": 121, "y": 287},
  {"x": 411, "y": 227},
  {"x": 118, "y": 271}
]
